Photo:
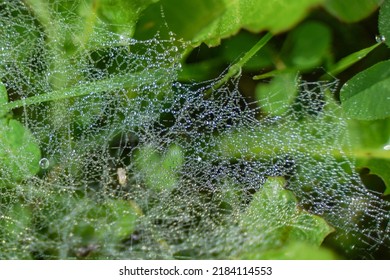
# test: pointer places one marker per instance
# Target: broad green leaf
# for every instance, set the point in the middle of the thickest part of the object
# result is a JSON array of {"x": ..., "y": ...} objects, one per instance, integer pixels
[
  {"x": 367, "y": 95},
  {"x": 274, "y": 213},
  {"x": 276, "y": 97},
  {"x": 19, "y": 151},
  {"x": 371, "y": 135},
  {"x": 384, "y": 18},
  {"x": 368, "y": 145},
  {"x": 211, "y": 21},
  {"x": 274, "y": 15},
  {"x": 351, "y": 10},
  {"x": 379, "y": 167},
  {"x": 184, "y": 18},
  {"x": 307, "y": 45}
]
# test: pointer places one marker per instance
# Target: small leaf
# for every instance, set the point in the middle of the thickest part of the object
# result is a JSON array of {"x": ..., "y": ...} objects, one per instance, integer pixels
[
  {"x": 384, "y": 17},
  {"x": 159, "y": 171},
  {"x": 351, "y": 10},
  {"x": 121, "y": 15},
  {"x": 121, "y": 217},
  {"x": 274, "y": 215},
  {"x": 351, "y": 59},
  {"x": 307, "y": 45},
  {"x": 276, "y": 97},
  {"x": 19, "y": 151},
  {"x": 367, "y": 95}
]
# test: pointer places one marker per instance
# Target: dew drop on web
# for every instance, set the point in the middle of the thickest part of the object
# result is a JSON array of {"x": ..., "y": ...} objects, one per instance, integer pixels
[
  {"x": 44, "y": 163},
  {"x": 380, "y": 38}
]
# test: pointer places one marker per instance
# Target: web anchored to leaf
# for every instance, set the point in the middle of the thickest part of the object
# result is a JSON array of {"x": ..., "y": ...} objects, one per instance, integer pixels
[{"x": 104, "y": 154}]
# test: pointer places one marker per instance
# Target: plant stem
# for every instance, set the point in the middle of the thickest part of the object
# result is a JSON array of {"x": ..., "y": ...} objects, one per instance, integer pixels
[
  {"x": 116, "y": 82},
  {"x": 236, "y": 68}
]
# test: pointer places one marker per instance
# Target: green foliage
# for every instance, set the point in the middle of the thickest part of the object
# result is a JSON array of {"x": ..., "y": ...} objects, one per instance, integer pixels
[
  {"x": 351, "y": 59},
  {"x": 296, "y": 227},
  {"x": 211, "y": 21},
  {"x": 351, "y": 10},
  {"x": 183, "y": 18},
  {"x": 19, "y": 151},
  {"x": 73, "y": 61},
  {"x": 3, "y": 98},
  {"x": 275, "y": 16},
  {"x": 366, "y": 96},
  {"x": 383, "y": 23},
  {"x": 368, "y": 142},
  {"x": 275, "y": 97},
  {"x": 160, "y": 171},
  {"x": 307, "y": 45}
]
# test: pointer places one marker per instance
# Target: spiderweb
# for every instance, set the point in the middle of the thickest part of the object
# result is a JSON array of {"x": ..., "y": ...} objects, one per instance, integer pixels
[{"x": 116, "y": 159}]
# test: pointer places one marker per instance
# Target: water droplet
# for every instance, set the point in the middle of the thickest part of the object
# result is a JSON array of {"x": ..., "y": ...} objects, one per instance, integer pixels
[
  {"x": 44, "y": 163},
  {"x": 380, "y": 38},
  {"x": 387, "y": 147}
]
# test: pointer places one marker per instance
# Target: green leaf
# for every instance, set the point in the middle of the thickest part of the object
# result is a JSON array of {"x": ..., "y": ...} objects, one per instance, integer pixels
[
  {"x": 119, "y": 220},
  {"x": 121, "y": 15},
  {"x": 274, "y": 15},
  {"x": 88, "y": 21},
  {"x": 276, "y": 97},
  {"x": 368, "y": 145},
  {"x": 211, "y": 21},
  {"x": 274, "y": 215},
  {"x": 351, "y": 59},
  {"x": 19, "y": 151},
  {"x": 159, "y": 170},
  {"x": 379, "y": 167},
  {"x": 367, "y": 95},
  {"x": 383, "y": 24},
  {"x": 307, "y": 45},
  {"x": 351, "y": 10},
  {"x": 184, "y": 18}
]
